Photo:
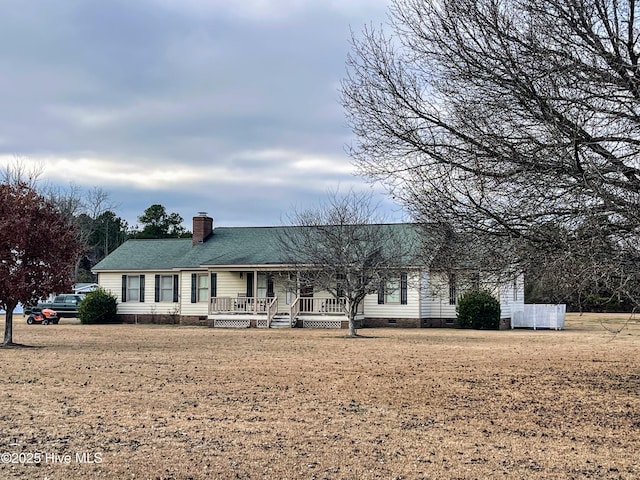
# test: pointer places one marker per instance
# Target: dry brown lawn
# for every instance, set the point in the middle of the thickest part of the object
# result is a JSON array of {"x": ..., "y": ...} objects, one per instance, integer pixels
[{"x": 161, "y": 402}]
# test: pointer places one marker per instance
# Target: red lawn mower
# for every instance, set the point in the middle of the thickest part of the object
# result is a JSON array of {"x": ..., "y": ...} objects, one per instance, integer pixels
[{"x": 44, "y": 316}]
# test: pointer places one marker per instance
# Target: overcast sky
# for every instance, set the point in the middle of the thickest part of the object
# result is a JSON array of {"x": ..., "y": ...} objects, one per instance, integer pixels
[{"x": 199, "y": 105}]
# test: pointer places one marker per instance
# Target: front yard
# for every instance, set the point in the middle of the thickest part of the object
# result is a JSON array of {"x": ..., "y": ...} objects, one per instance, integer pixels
[{"x": 153, "y": 402}]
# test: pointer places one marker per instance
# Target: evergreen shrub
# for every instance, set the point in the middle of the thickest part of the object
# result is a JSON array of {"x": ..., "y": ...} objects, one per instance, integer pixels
[
  {"x": 98, "y": 307},
  {"x": 478, "y": 309}
]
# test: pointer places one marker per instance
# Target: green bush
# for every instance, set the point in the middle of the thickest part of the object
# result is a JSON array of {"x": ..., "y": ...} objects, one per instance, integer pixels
[
  {"x": 98, "y": 307},
  {"x": 478, "y": 309}
]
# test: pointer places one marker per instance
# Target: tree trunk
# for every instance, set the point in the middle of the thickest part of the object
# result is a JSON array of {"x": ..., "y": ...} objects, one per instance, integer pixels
[
  {"x": 352, "y": 327},
  {"x": 352, "y": 321},
  {"x": 8, "y": 326}
]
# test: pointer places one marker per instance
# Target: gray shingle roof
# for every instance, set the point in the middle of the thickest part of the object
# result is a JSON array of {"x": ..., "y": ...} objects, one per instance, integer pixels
[{"x": 237, "y": 246}]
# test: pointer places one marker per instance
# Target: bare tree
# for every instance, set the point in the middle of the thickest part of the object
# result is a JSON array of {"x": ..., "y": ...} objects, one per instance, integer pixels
[
  {"x": 511, "y": 118},
  {"x": 82, "y": 209},
  {"x": 344, "y": 247},
  {"x": 17, "y": 172},
  {"x": 97, "y": 202},
  {"x": 95, "y": 210}
]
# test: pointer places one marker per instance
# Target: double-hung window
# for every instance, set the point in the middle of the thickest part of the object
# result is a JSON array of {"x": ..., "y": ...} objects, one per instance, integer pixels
[
  {"x": 166, "y": 288},
  {"x": 453, "y": 289},
  {"x": 200, "y": 287},
  {"x": 394, "y": 291},
  {"x": 132, "y": 288}
]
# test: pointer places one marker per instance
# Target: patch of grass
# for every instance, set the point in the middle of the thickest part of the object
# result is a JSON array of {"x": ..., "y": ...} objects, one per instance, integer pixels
[{"x": 171, "y": 402}]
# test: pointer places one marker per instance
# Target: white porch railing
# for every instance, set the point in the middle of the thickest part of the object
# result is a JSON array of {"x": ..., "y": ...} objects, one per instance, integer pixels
[
  {"x": 322, "y": 305},
  {"x": 240, "y": 305},
  {"x": 272, "y": 309},
  {"x": 269, "y": 307},
  {"x": 310, "y": 305}
]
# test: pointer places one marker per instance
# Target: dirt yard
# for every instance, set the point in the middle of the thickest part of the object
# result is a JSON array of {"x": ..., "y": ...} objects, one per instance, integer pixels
[{"x": 151, "y": 402}]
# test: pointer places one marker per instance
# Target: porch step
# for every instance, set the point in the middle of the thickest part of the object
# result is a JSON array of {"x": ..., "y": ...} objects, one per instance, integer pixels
[{"x": 280, "y": 322}]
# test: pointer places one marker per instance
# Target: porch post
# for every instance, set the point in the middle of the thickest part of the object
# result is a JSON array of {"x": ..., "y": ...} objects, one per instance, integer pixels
[
  {"x": 255, "y": 292},
  {"x": 297, "y": 284}
]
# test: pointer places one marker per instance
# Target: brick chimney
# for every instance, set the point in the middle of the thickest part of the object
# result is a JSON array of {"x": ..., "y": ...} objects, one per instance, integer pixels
[{"x": 202, "y": 228}]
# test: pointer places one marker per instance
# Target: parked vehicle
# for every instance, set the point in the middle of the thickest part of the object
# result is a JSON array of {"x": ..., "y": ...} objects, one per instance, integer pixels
[
  {"x": 43, "y": 316},
  {"x": 66, "y": 305}
]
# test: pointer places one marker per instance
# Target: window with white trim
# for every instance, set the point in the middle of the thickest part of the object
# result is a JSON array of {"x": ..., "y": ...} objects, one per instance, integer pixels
[
  {"x": 453, "y": 290},
  {"x": 166, "y": 288},
  {"x": 203, "y": 287},
  {"x": 394, "y": 291},
  {"x": 133, "y": 288}
]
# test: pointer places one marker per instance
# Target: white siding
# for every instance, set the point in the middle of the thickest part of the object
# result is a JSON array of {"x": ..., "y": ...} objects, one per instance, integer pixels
[
  {"x": 395, "y": 310},
  {"x": 280, "y": 281},
  {"x": 424, "y": 295},
  {"x": 230, "y": 284},
  {"x": 427, "y": 295},
  {"x": 112, "y": 282},
  {"x": 322, "y": 294},
  {"x": 188, "y": 308},
  {"x": 512, "y": 297},
  {"x": 438, "y": 297}
]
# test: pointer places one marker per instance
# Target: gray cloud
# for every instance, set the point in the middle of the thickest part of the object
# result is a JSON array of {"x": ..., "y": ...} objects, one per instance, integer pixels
[{"x": 204, "y": 105}]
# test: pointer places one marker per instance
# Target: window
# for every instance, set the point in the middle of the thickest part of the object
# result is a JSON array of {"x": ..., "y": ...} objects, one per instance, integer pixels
[
  {"x": 200, "y": 287},
  {"x": 404, "y": 290},
  {"x": 203, "y": 287},
  {"x": 341, "y": 280},
  {"x": 288, "y": 296},
  {"x": 515, "y": 289},
  {"x": 475, "y": 281},
  {"x": 265, "y": 285},
  {"x": 166, "y": 288},
  {"x": 249, "y": 284},
  {"x": 394, "y": 291},
  {"x": 290, "y": 289},
  {"x": 133, "y": 288},
  {"x": 453, "y": 293}
]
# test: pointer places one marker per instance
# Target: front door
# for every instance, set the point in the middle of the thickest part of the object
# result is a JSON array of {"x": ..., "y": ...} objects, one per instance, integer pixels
[{"x": 306, "y": 298}]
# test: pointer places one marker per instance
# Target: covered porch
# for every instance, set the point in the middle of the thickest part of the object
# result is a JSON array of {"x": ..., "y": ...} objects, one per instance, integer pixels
[
  {"x": 267, "y": 298},
  {"x": 266, "y": 312}
]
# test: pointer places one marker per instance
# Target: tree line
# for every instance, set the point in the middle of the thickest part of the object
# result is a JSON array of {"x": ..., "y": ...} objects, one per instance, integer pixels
[
  {"x": 101, "y": 231},
  {"x": 92, "y": 215}
]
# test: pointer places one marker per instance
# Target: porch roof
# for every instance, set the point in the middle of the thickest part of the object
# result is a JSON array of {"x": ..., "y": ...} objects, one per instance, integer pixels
[{"x": 228, "y": 246}]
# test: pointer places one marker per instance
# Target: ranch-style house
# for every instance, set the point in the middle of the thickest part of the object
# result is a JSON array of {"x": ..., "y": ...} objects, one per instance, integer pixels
[{"x": 238, "y": 277}]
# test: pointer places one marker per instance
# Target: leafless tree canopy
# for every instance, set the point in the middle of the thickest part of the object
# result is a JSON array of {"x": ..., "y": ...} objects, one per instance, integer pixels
[
  {"x": 344, "y": 247},
  {"x": 513, "y": 118}
]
